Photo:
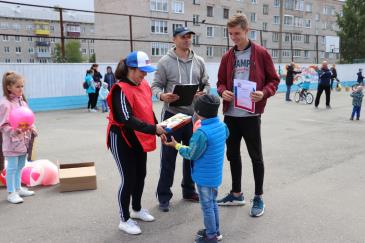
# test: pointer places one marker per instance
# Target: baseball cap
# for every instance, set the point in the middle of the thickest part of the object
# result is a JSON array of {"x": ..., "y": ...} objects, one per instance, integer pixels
[
  {"x": 180, "y": 31},
  {"x": 140, "y": 60}
]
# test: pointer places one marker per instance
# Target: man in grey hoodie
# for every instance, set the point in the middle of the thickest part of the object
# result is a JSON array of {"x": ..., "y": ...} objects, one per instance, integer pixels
[{"x": 179, "y": 66}]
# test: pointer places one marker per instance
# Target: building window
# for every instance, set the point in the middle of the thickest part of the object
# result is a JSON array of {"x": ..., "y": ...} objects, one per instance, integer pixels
[
  {"x": 276, "y": 19},
  {"x": 286, "y": 53},
  {"x": 289, "y": 4},
  {"x": 275, "y": 36},
  {"x": 288, "y": 20},
  {"x": 175, "y": 26},
  {"x": 209, "y": 11},
  {"x": 209, "y": 51},
  {"x": 196, "y": 2},
  {"x": 158, "y": 5},
  {"x": 83, "y": 51},
  {"x": 92, "y": 51},
  {"x": 287, "y": 37},
  {"x": 253, "y": 17},
  {"x": 318, "y": 17},
  {"x": 159, "y": 49},
  {"x": 264, "y": 26},
  {"x": 29, "y": 27},
  {"x": 18, "y": 49},
  {"x": 276, "y": 4},
  {"x": 298, "y": 21},
  {"x": 31, "y": 60},
  {"x": 265, "y": 9},
  {"x": 254, "y": 1},
  {"x": 51, "y": 28},
  {"x": 264, "y": 43},
  {"x": 7, "y": 60},
  {"x": 195, "y": 40},
  {"x": 210, "y": 31},
  {"x": 225, "y": 32},
  {"x": 299, "y": 5},
  {"x": 17, "y": 38},
  {"x": 53, "y": 40},
  {"x": 30, "y": 39},
  {"x": 274, "y": 53},
  {"x": 4, "y": 25},
  {"x": 19, "y": 60},
  {"x": 196, "y": 19},
  {"x": 297, "y": 38},
  {"x": 306, "y": 38},
  {"x": 307, "y": 23},
  {"x": 5, "y": 38},
  {"x": 225, "y": 13},
  {"x": 308, "y": 7},
  {"x": 323, "y": 40},
  {"x": 16, "y": 26},
  {"x": 30, "y": 50},
  {"x": 253, "y": 35},
  {"x": 6, "y": 49},
  {"x": 178, "y": 6},
  {"x": 306, "y": 54},
  {"x": 297, "y": 53},
  {"x": 159, "y": 26}
]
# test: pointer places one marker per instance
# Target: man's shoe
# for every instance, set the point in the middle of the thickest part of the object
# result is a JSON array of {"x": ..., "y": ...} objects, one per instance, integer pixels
[
  {"x": 130, "y": 226},
  {"x": 205, "y": 239},
  {"x": 164, "y": 206},
  {"x": 143, "y": 215},
  {"x": 15, "y": 198},
  {"x": 328, "y": 107},
  {"x": 232, "y": 200},
  {"x": 24, "y": 192},
  {"x": 203, "y": 233},
  {"x": 192, "y": 197},
  {"x": 289, "y": 100},
  {"x": 258, "y": 207}
]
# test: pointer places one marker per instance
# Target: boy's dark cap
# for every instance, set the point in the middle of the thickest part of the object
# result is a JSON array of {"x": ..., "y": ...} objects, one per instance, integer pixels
[
  {"x": 181, "y": 31},
  {"x": 207, "y": 106}
]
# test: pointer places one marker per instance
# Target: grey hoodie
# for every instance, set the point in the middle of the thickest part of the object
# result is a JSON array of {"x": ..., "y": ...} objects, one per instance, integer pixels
[{"x": 172, "y": 70}]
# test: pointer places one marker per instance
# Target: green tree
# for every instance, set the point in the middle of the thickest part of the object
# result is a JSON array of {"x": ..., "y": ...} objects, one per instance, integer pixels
[
  {"x": 92, "y": 59},
  {"x": 72, "y": 52},
  {"x": 352, "y": 30}
]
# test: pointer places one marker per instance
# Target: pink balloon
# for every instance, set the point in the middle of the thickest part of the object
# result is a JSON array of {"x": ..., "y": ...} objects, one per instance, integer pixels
[
  {"x": 50, "y": 174},
  {"x": 21, "y": 117}
]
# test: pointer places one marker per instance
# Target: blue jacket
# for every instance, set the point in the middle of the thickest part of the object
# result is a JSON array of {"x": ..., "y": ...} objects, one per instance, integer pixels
[
  {"x": 324, "y": 77},
  {"x": 206, "y": 149},
  {"x": 109, "y": 79},
  {"x": 89, "y": 80}
]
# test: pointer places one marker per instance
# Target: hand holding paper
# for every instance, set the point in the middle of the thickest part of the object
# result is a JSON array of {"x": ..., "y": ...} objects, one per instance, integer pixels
[
  {"x": 245, "y": 95},
  {"x": 256, "y": 96}
]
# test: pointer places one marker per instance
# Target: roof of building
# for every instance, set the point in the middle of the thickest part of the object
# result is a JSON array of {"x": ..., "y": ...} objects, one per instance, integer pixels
[{"x": 37, "y": 13}]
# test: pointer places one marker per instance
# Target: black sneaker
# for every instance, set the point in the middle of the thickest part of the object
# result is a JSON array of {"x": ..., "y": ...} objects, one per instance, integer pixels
[
  {"x": 206, "y": 240},
  {"x": 192, "y": 198},
  {"x": 231, "y": 200},
  {"x": 203, "y": 233},
  {"x": 164, "y": 206}
]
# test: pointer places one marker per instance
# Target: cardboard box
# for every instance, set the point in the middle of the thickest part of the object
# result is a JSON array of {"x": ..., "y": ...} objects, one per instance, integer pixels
[{"x": 77, "y": 177}]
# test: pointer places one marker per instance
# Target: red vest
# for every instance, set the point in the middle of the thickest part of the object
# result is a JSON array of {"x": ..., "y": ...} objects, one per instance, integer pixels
[{"x": 140, "y": 100}]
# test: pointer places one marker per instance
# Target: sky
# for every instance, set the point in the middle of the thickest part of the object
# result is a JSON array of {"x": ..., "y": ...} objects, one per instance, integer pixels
[{"x": 78, "y": 4}]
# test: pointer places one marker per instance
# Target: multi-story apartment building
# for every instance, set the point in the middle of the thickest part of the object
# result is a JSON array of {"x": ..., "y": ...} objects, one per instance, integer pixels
[
  {"x": 306, "y": 24},
  {"x": 29, "y": 34}
]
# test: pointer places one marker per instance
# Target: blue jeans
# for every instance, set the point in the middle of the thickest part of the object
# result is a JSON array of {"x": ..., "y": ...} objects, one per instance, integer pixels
[
  {"x": 104, "y": 106},
  {"x": 15, "y": 165},
  {"x": 356, "y": 110},
  {"x": 208, "y": 203},
  {"x": 288, "y": 87}
]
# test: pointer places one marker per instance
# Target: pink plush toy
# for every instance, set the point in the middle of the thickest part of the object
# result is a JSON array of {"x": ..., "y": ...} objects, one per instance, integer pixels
[
  {"x": 21, "y": 117},
  {"x": 40, "y": 172}
]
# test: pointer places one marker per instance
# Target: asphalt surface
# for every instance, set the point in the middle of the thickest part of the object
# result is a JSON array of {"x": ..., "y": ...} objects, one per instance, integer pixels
[{"x": 314, "y": 183}]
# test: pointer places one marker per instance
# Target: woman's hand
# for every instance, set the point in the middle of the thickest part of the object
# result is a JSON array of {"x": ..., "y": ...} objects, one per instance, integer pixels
[{"x": 160, "y": 130}]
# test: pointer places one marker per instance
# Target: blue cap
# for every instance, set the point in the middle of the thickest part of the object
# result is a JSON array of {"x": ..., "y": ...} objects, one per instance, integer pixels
[
  {"x": 181, "y": 31},
  {"x": 140, "y": 60}
]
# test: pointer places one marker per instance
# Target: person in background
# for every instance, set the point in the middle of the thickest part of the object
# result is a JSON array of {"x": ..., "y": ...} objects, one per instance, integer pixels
[
  {"x": 357, "y": 96},
  {"x": 90, "y": 90},
  {"x": 324, "y": 82},
  {"x": 97, "y": 79},
  {"x": 360, "y": 77},
  {"x": 103, "y": 94},
  {"x": 109, "y": 77},
  {"x": 290, "y": 73},
  {"x": 334, "y": 75}
]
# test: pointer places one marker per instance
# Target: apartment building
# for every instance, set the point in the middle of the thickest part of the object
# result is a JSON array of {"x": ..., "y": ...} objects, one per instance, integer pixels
[
  {"x": 29, "y": 34},
  {"x": 308, "y": 25}
]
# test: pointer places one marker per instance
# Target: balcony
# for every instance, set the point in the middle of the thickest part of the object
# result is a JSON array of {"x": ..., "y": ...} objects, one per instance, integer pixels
[
  {"x": 42, "y": 43},
  {"x": 73, "y": 30},
  {"x": 41, "y": 28},
  {"x": 43, "y": 54},
  {"x": 73, "y": 34}
]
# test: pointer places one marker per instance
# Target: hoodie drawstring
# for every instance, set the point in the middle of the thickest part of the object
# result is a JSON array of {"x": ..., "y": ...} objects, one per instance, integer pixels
[{"x": 191, "y": 70}]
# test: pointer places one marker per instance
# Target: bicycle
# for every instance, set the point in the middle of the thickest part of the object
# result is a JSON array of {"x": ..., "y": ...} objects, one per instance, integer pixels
[{"x": 303, "y": 93}]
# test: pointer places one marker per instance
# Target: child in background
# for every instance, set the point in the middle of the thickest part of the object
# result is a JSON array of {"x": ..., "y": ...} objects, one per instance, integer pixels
[
  {"x": 357, "y": 96},
  {"x": 15, "y": 141},
  {"x": 103, "y": 93},
  {"x": 206, "y": 150}
]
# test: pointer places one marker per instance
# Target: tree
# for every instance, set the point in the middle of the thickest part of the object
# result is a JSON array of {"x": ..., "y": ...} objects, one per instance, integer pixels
[
  {"x": 72, "y": 52},
  {"x": 92, "y": 59},
  {"x": 352, "y": 30}
]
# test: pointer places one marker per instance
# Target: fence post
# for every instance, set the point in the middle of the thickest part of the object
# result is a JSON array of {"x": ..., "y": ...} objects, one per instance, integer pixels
[{"x": 130, "y": 33}]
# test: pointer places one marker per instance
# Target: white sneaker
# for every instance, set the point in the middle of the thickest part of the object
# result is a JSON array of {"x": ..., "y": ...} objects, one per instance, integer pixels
[
  {"x": 143, "y": 214},
  {"x": 94, "y": 110},
  {"x": 15, "y": 198},
  {"x": 130, "y": 226},
  {"x": 24, "y": 192}
]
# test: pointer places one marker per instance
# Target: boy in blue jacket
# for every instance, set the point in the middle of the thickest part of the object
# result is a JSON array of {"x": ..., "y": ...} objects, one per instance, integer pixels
[{"x": 206, "y": 150}]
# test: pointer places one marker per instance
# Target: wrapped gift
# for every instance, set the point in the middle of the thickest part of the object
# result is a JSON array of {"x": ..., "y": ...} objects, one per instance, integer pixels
[{"x": 175, "y": 122}]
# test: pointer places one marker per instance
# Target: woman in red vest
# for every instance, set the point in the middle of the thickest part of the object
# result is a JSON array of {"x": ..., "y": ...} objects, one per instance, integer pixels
[{"x": 131, "y": 134}]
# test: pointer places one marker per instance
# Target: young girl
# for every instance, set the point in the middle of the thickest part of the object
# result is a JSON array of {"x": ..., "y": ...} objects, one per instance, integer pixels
[
  {"x": 15, "y": 141},
  {"x": 90, "y": 90}
]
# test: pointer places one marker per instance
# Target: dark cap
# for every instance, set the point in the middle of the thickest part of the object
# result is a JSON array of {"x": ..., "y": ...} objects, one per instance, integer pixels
[
  {"x": 207, "y": 106},
  {"x": 180, "y": 31}
]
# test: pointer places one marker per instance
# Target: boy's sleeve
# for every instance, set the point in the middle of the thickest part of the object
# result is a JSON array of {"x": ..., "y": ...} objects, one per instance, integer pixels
[{"x": 196, "y": 148}]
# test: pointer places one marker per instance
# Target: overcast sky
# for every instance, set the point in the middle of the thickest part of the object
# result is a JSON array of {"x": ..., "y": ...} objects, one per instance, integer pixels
[{"x": 77, "y": 4}]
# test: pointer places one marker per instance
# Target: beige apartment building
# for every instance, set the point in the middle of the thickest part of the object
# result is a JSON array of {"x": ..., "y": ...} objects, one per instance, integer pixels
[
  {"x": 41, "y": 30},
  {"x": 310, "y": 27}
]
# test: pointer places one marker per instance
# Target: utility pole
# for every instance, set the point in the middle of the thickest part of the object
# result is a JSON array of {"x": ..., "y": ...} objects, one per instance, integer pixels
[
  {"x": 281, "y": 30},
  {"x": 62, "y": 35}
]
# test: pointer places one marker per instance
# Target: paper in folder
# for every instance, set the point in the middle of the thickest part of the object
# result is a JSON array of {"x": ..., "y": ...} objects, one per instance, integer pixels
[{"x": 186, "y": 93}]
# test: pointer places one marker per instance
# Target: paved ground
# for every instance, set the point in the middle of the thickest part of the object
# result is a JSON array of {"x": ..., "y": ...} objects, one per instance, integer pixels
[{"x": 314, "y": 184}]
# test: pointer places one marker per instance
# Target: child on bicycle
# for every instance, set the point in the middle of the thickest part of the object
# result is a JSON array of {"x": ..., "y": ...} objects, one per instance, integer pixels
[{"x": 357, "y": 96}]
